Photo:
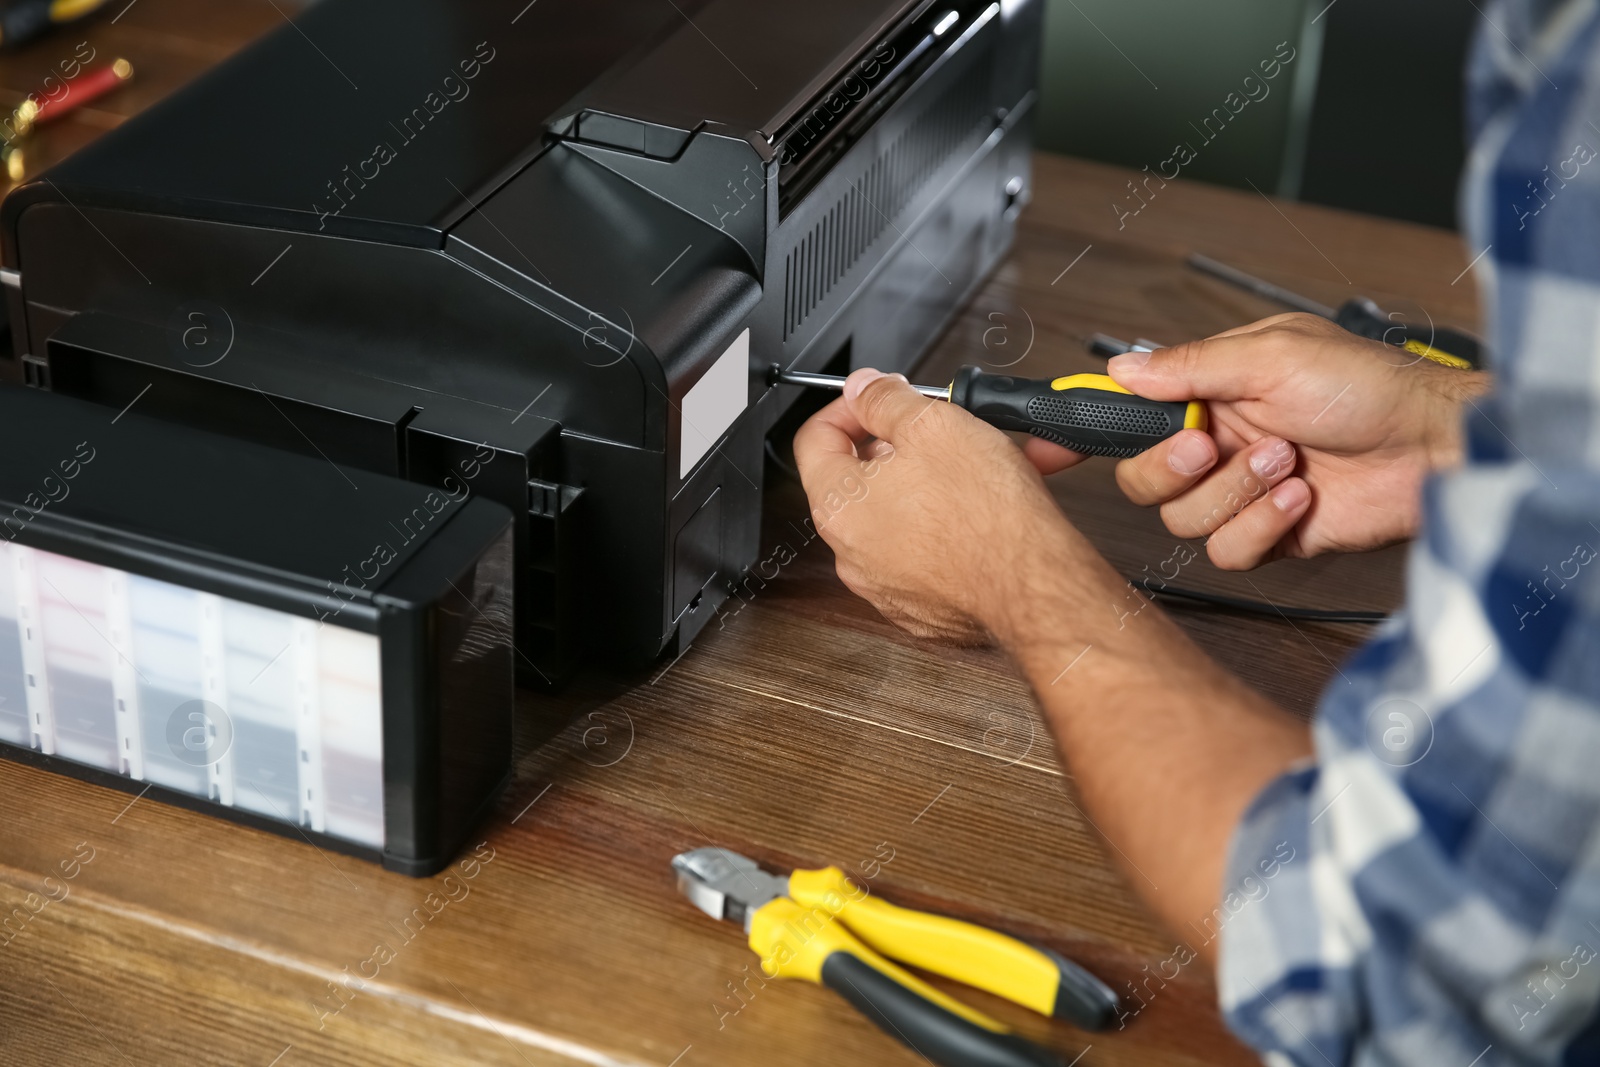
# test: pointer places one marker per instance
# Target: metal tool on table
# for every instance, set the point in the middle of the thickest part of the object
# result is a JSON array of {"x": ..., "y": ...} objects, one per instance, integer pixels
[
  {"x": 42, "y": 107},
  {"x": 1103, "y": 344},
  {"x": 89, "y": 86},
  {"x": 819, "y": 926},
  {"x": 1362, "y": 317},
  {"x": 1088, "y": 413}
]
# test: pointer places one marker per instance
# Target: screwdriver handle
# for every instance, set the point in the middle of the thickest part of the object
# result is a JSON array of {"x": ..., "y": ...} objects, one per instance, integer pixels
[{"x": 1087, "y": 413}]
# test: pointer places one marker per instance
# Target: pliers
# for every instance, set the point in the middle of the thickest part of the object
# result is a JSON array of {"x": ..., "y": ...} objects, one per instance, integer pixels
[{"x": 790, "y": 923}]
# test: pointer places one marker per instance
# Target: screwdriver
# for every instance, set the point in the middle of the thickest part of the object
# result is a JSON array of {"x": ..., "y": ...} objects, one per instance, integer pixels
[
  {"x": 1103, "y": 344},
  {"x": 1360, "y": 316},
  {"x": 1087, "y": 413}
]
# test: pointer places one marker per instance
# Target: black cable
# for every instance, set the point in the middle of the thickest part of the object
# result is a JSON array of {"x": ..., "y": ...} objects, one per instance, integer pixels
[
  {"x": 1159, "y": 589},
  {"x": 777, "y": 461},
  {"x": 1258, "y": 607}
]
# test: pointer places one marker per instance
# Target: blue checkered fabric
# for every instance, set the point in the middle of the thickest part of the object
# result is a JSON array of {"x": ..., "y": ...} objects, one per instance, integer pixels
[{"x": 1427, "y": 889}]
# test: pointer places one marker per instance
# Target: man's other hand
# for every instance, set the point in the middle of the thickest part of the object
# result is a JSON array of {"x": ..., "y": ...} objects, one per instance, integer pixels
[{"x": 1319, "y": 440}]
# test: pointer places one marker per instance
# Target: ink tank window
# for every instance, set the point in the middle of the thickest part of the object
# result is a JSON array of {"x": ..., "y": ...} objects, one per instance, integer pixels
[{"x": 238, "y": 704}]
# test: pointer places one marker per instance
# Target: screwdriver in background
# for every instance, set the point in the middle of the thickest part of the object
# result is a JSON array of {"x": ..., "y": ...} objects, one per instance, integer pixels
[
  {"x": 23, "y": 20},
  {"x": 1103, "y": 344},
  {"x": 1087, "y": 413},
  {"x": 1360, "y": 316}
]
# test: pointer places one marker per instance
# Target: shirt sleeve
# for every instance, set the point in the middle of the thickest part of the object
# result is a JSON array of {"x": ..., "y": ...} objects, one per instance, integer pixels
[{"x": 1426, "y": 890}]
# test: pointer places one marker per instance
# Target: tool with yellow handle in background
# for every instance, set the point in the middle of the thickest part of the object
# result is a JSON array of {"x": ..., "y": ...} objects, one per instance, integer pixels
[
  {"x": 23, "y": 20},
  {"x": 819, "y": 926},
  {"x": 1087, "y": 413},
  {"x": 1363, "y": 317}
]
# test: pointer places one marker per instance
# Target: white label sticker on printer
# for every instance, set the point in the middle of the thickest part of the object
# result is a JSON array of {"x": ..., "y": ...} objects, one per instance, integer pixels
[{"x": 713, "y": 402}]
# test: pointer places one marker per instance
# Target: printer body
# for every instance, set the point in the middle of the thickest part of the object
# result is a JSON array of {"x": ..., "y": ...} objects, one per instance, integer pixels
[{"x": 544, "y": 258}]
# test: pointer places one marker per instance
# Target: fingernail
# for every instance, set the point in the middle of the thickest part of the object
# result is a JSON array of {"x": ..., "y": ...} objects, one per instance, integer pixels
[
  {"x": 1191, "y": 453},
  {"x": 859, "y": 380},
  {"x": 1128, "y": 361},
  {"x": 1272, "y": 459},
  {"x": 901, "y": 377},
  {"x": 1292, "y": 495}
]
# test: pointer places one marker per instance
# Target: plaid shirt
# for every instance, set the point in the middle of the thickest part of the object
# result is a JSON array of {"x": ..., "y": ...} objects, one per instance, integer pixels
[{"x": 1427, "y": 890}]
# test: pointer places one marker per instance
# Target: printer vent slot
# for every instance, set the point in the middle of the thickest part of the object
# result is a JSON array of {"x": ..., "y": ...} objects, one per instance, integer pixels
[{"x": 881, "y": 191}]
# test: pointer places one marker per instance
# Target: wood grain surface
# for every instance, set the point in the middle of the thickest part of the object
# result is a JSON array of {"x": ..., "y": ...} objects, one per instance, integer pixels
[{"x": 801, "y": 729}]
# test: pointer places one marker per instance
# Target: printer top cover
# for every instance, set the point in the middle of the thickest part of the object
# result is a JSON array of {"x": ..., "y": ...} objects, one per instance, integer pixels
[
  {"x": 242, "y": 147},
  {"x": 404, "y": 235}
]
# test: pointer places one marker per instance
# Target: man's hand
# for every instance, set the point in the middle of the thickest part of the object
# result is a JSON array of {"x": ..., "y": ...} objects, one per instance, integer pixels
[
  {"x": 941, "y": 523},
  {"x": 1319, "y": 440},
  {"x": 934, "y": 516}
]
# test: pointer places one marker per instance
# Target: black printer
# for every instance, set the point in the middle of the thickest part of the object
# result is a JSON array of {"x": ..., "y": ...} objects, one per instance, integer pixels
[{"x": 544, "y": 256}]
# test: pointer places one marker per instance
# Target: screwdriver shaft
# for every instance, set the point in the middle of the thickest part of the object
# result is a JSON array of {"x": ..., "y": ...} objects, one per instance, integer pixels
[
  {"x": 1207, "y": 265},
  {"x": 836, "y": 383}
]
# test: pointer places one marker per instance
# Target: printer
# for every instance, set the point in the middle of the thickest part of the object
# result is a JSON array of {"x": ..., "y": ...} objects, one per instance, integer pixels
[{"x": 544, "y": 257}]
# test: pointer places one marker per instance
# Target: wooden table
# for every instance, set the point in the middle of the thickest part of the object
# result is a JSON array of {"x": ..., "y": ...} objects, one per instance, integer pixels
[{"x": 801, "y": 730}]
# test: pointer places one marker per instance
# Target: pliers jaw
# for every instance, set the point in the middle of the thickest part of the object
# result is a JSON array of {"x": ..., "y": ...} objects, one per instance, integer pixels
[{"x": 726, "y": 885}]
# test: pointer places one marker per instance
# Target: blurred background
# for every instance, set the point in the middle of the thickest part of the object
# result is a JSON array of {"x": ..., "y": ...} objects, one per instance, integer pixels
[{"x": 1367, "y": 114}]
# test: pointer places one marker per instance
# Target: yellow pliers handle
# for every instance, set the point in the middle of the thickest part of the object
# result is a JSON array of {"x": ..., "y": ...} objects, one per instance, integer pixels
[
  {"x": 970, "y": 954},
  {"x": 802, "y": 941}
]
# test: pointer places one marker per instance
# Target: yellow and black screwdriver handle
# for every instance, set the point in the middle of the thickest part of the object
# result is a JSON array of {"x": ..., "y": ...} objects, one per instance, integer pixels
[
  {"x": 830, "y": 932},
  {"x": 1088, "y": 413}
]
